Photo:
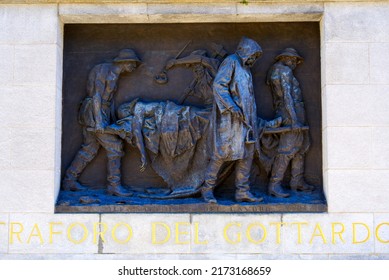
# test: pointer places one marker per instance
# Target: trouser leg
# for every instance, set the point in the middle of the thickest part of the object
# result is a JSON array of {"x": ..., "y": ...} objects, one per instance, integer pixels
[
  {"x": 297, "y": 171},
  {"x": 114, "y": 148},
  {"x": 211, "y": 177},
  {"x": 297, "y": 181},
  {"x": 278, "y": 171},
  {"x": 84, "y": 156},
  {"x": 114, "y": 186},
  {"x": 242, "y": 174},
  {"x": 212, "y": 173},
  {"x": 242, "y": 181},
  {"x": 280, "y": 165},
  {"x": 78, "y": 165},
  {"x": 113, "y": 171}
]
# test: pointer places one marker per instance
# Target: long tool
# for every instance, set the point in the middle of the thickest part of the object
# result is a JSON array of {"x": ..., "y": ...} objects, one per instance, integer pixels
[
  {"x": 162, "y": 78},
  {"x": 283, "y": 129}
]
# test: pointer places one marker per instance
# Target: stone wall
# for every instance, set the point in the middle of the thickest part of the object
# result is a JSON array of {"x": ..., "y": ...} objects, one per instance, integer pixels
[{"x": 355, "y": 96}]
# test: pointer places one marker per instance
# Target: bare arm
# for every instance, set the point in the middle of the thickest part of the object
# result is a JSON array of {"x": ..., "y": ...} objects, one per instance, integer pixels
[{"x": 138, "y": 137}]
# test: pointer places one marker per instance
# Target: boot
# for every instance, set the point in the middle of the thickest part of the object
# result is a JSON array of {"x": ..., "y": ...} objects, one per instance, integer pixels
[
  {"x": 275, "y": 189},
  {"x": 69, "y": 182},
  {"x": 297, "y": 182},
  {"x": 114, "y": 177},
  {"x": 280, "y": 165},
  {"x": 303, "y": 187},
  {"x": 246, "y": 196},
  {"x": 211, "y": 176},
  {"x": 73, "y": 185},
  {"x": 118, "y": 191},
  {"x": 208, "y": 196}
]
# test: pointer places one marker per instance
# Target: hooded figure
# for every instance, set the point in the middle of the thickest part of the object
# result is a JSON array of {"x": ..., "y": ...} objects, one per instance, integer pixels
[{"x": 234, "y": 121}]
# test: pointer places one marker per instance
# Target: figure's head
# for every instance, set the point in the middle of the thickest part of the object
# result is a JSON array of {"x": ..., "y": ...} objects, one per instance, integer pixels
[
  {"x": 253, "y": 58},
  {"x": 127, "y": 59},
  {"x": 198, "y": 69},
  {"x": 127, "y": 109},
  {"x": 249, "y": 51},
  {"x": 290, "y": 58}
]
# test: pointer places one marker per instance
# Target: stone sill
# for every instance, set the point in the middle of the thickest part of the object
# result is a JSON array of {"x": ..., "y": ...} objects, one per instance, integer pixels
[
  {"x": 196, "y": 208},
  {"x": 69, "y": 202},
  {"x": 172, "y": 1}
]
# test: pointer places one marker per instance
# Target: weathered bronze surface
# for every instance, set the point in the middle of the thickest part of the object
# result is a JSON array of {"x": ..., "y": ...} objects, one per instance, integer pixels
[
  {"x": 289, "y": 106},
  {"x": 195, "y": 128},
  {"x": 234, "y": 122},
  {"x": 178, "y": 207},
  {"x": 97, "y": 112}
]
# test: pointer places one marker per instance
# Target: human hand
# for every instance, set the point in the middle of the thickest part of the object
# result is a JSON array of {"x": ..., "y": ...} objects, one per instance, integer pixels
[
  {"x": 274, "y": 123},
  {"x": 99, "y": 129},
  {"x": 144, "y": 165}
]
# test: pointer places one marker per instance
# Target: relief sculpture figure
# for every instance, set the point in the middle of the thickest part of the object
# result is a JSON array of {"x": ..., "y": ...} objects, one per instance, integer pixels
[
  {"x": 204, "y": 70},
  {"x": 96, "y": 113},
  {"x": 234, "y": 122},
  {"x": 294, "y": 140}
]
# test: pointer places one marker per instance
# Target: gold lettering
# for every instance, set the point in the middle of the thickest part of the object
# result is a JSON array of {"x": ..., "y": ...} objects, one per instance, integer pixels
[
  {"x": 97, "y": 232},
  {"x": 17, "y": 233},
  {"x": 226, "y": 237},
  {"x": 376, "y": 233},
  {"x": 355, "y": 241},
  {"x": 197, "y": 235},
  {"x": 178, "y": 232},
  {"x": 320, "y": 233},
  {"x": 84, "y": 236},
  {"x": 37, "y": 234},
  {"x": 129, "y": 236},
  {"x": 299, "y": 239},
  {"x": 52, "y": 232},
  {"x": 154, "y": 233},
  {"x": 250, "y": 238},
  {"x": 339, "y": 233},
  {"x": 278, "y": 230}
]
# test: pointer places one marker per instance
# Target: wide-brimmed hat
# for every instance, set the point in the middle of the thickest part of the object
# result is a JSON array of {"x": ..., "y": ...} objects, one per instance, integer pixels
[
  {"x": 199, "y": 52},
  {"x": 290, "y": 52},
  {"x": 127, "y": 55}
]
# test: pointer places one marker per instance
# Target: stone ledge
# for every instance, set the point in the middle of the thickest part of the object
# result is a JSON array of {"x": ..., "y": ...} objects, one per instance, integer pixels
[
  {"x": 194, "y": 208},
  {"x": 191, "y": 12},
  {"x": 238, "y": 2}
]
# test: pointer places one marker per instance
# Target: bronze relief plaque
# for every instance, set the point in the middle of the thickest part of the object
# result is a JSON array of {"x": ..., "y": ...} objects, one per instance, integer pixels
[{"x": 201, "y": 117}]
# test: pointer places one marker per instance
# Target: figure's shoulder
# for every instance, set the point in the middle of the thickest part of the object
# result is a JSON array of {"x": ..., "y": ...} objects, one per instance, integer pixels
[
  {"x": 230, "y": 62},
  {"x": 279, "y": 69},
  {"x": 102, "y": 67},
  {"x": 233, "y": 57}
]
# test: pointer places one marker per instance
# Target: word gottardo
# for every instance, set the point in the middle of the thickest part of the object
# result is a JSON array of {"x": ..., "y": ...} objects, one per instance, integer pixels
[{"x": 179, "y": 233}]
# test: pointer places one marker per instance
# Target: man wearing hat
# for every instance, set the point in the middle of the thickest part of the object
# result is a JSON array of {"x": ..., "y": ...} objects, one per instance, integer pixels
[
  {"x": 289, "y": 105},
  {"x": 97, "y": 112},
  {"x": 204, "y": 69}
]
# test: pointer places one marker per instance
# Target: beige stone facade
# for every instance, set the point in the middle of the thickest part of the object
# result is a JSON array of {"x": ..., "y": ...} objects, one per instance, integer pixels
[{"x": 355, "y": 102}]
